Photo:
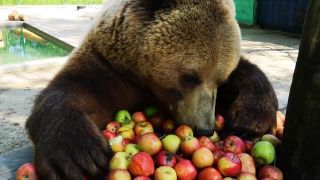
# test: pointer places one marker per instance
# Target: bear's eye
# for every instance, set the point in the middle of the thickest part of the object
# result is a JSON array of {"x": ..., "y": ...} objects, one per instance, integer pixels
[{"x": 190, "y": 80}]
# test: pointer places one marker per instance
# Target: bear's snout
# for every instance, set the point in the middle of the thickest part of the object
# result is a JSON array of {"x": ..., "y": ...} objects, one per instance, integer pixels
[{"x": 197, "y": 109}]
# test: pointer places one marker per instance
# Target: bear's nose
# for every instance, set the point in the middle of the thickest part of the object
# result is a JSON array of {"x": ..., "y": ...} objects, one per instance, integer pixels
[{"x": 203, "y": 132}]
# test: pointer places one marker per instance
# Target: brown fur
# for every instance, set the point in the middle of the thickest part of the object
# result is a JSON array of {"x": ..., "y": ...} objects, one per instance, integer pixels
[
  {"x": 140, "y": 52},
  {"x": 248, "y": 101}
]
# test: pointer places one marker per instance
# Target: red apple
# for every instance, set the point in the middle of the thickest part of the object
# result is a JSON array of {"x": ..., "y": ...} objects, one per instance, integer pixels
[
  {"x": 219, "y": 122},
  {"x": 113, "y": 126},
  {"x": 247, "y": 163},
  {"x": 202, "y": 157},
  {"x": 136, "y": 139},
  {"x": 230, "y": 165},
  {"x": 139, "y": 117},
  {"x": 268, "y": 171},
  {"x": 142, "y": 128},
  {"x": 126, "y": 142},
  {"x": 150, "y": 143},
  {"x": 179, "y": 156},
  {"x": 217, "y": 154},
  {"x": 26, "y": 172},
  {"x": 142, "y": 178},
  {"x": 219, "y": 144},
  {"x": 184, "y": 131},
  {"x": 189, "y": 145},
  {"x": 164, "y": 158},
  {"x": 168, "y": 126},
  {"x": 248, "y": 144},
  {"x": 141, "y": 164},
  {"x": 165, "y": 173},
  {"x": 156, "y": 120},
  {"x": 234, "y": 145},
  {"x": 209, "y": 173},
  {"x": 279, "y": 132},
  {"x": 246, "y": 176},
  {"x": 185, "y": 170},
  {"x": 119, "y": 174},
  {"x": 280, "y": 119},
  {"x": 108, "y": 134},
  {"x": 205, "y": 142}
]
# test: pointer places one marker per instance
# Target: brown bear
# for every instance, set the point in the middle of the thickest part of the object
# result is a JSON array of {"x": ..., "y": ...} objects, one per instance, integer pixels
[{"x": 173, "y": 53}]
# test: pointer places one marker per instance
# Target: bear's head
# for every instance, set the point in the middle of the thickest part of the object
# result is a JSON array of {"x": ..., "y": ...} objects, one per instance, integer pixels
[{"x": 182, "y": 50}]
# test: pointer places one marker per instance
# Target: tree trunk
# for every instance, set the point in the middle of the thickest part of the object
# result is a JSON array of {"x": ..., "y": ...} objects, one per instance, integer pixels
[{"x": 300, "y": 152}]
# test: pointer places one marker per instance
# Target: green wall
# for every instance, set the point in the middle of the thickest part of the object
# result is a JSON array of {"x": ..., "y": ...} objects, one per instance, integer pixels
[{"x": 246, "y": 11}]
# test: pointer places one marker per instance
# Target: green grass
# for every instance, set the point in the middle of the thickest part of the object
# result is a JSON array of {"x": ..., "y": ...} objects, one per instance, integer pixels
[{"x": 47, "y": 2}]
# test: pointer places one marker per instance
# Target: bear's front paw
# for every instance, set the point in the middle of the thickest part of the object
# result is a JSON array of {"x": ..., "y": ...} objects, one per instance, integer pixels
[
  {"x": 251, "y": 115},
  {"x": 72, "y": 157}
]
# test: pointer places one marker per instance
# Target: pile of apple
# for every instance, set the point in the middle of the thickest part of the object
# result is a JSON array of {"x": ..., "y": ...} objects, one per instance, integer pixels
[
  {"x": 141, "y": 152},
  {"x": 148, "y": 146}
]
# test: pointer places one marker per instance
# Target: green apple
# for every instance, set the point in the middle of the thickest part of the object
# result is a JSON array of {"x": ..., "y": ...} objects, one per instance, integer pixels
[
  {"x": 130, "y": 125},
  {"x": 126, "y": 133},
  {"x": 171, "y": 143},
  {"x": 117, "y": 144},
  {"x": 165, "y": 173},
  {"x": 271, "y": 138},
  {"x": 119, "y": 161},
  {"x": 215, "y": 137},
  {"x": 246, "y": 176},
  {"x": 263, "y": 152},
  {"x": 119, "y": 174},
  {"x": 123, "y": 117},
  {"x": 149, "y": 111},
  {"x": 131, "y": 149}
]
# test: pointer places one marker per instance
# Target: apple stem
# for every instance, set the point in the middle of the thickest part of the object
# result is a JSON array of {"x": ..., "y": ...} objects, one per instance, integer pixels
[
  {"x": 162, "y": 136},
  {"x": 275, "y": 161}
]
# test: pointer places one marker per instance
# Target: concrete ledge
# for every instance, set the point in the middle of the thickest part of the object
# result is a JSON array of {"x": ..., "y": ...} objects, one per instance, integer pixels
[
  {"x": 10, "y": 24},
  {"x": 31, "y": 65},
  {"x": 10, "y": 162}
]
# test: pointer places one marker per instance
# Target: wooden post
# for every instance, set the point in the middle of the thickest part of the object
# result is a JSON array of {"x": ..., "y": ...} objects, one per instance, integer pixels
[{"x": 299, "y": 156}]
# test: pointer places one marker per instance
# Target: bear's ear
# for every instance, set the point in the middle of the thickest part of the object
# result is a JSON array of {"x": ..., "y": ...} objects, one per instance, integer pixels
[
  {"x": 152, "y": 5},
  {"x": 230, "y": 7},
  {"x": 155, "y": 5}
]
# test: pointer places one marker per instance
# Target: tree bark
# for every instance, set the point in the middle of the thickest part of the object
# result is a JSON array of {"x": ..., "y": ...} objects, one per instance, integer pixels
[{"x": 299, "y": 156}]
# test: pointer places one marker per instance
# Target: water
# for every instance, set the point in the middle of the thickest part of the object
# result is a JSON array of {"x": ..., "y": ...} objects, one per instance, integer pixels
[{"x": 20, "y": 45}]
